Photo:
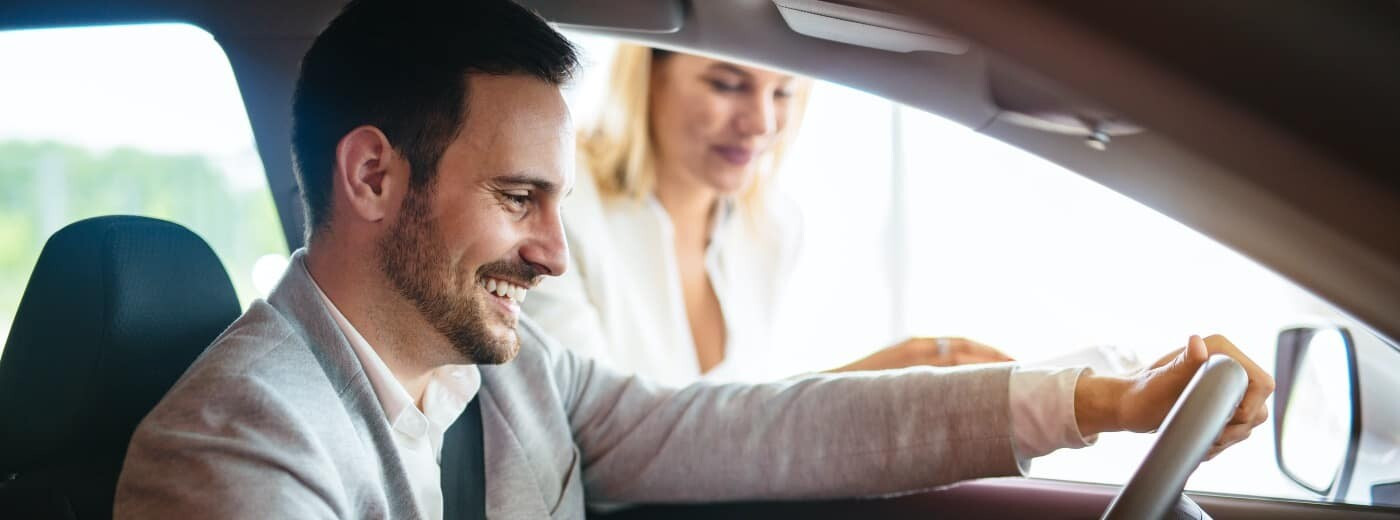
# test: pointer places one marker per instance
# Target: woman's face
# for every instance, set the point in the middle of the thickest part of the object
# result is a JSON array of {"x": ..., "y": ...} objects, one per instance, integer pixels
[{"x": 714, "y": 122}]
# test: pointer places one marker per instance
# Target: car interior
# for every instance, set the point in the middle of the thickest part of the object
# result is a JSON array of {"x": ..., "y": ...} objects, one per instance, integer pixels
[{"x": 1266, "y": 126}]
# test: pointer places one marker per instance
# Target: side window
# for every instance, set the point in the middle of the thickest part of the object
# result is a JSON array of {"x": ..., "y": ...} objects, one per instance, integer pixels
[
  {"x": 142, "y": 119},
  {"x": 1023, "y": 254},
  {"x": 914, "y": 225},
  {"x": 840, "y": 175}
]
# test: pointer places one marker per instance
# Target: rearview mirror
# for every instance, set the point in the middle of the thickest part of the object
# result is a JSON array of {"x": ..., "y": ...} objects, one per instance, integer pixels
[{"x": 1316, "y": 408}]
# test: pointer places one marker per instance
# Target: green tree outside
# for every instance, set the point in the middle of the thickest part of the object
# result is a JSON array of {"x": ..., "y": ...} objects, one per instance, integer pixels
[{"x": 49, "y": 185}]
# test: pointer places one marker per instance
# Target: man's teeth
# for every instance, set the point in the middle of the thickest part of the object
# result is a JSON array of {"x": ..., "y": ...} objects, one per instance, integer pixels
[{"x": 505, "y": 289}]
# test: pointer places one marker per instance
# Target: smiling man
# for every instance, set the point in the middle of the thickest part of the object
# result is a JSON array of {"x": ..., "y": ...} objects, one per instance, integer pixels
[{"x": 433, "y": 149}]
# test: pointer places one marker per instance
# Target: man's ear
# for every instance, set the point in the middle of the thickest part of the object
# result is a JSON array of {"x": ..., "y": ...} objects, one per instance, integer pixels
[{"x": 372, "y": 175}]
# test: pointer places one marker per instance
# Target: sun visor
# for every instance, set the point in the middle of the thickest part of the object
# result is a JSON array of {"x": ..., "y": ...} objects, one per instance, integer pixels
[
  {"x": 1027, "y": 99},
  {"x": 866, "y": 27},
  {"x": 643, "y": 16}
]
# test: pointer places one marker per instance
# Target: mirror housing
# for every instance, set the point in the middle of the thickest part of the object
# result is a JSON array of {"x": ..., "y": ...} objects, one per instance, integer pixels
[
  {"x": 1317, "y": 408},
  {"x": 1386, "y": 494}
]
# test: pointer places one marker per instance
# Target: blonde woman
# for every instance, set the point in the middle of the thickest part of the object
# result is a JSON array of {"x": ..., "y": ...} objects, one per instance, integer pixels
[{"x": 679, "y": 253}]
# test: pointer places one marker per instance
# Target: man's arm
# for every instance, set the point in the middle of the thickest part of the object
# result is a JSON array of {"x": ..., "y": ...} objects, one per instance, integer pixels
[
  {"x": 812, "y": 437},
  {"x": 826, "y": 436}
]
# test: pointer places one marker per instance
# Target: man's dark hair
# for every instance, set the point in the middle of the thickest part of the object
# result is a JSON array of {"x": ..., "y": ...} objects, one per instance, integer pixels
[{"x": 402, "y": 66}]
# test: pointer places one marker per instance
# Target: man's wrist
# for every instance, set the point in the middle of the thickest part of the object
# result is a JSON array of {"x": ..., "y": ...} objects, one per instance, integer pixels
[{"x": 1096, "y": 403}]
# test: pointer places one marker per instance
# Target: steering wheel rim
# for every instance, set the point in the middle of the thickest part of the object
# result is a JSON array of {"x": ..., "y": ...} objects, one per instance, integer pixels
[{"x": 1188, "y": 431}]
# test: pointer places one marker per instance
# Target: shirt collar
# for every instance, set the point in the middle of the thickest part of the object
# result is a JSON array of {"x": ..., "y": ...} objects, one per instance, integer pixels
[
  {"x": 449, "y": 390},
  {"x": 719, "y": 220}
]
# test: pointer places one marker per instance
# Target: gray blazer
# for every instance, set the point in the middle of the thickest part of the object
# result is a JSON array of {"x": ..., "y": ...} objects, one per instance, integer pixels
[{"x": 277, "y": 420}]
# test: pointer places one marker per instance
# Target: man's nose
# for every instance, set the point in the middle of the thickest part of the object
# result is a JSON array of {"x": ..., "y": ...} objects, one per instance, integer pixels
[{"x": 547, "y": 248}]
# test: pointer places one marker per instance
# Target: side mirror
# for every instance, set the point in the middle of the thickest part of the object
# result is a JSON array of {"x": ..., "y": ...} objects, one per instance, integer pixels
[{"x": 1317, "y": 408}]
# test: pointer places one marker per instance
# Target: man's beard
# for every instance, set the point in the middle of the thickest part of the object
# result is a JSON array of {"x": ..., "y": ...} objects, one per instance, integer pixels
[{"x": 414, "y": 258}]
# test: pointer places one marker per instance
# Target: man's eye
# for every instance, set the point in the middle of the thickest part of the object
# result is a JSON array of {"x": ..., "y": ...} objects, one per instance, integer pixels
[{"x": 517, "y": 200}]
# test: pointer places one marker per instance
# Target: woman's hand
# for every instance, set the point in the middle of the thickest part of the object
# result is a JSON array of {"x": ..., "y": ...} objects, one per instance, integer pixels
[{"x": 941, "y": 352}]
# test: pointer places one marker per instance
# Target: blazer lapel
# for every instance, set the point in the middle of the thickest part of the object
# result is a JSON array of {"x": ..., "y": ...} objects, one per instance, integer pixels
[
  {"x": 299, "y": 300},
  {"x": 508, "y": 466}
]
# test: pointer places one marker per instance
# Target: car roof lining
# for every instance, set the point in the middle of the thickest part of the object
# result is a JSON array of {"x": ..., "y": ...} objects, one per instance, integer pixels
[{"x": 1210, "y": 161}]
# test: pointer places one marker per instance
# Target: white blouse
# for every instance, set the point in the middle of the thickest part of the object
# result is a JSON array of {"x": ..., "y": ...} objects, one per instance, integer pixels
[{"x": 621, "y": 300}]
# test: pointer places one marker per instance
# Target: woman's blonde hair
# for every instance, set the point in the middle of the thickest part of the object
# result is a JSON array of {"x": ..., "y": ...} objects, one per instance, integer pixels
[{"x": 618, "y": 145}]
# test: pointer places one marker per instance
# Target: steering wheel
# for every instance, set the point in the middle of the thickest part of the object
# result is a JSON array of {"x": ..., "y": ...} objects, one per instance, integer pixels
[{"x": 1197, "y": 418}]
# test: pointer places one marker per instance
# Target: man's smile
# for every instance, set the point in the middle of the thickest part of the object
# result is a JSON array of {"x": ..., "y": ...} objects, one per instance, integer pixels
[{"x": 508, "y": 294}]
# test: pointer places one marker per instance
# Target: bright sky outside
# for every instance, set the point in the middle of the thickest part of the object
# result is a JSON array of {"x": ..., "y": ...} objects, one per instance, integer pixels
[{"x": 128, "y": 88}]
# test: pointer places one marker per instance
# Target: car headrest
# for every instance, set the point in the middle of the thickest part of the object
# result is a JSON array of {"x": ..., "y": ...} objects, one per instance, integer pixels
[{"x": 116, "y": 309}]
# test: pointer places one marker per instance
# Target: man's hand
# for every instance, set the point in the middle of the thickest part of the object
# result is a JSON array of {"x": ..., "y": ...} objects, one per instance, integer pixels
[
  {"x": 1141, "y": 401},
  {"x": 941, "y": 352}
]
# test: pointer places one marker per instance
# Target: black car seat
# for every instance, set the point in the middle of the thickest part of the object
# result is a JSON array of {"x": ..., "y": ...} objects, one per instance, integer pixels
[{"x": 116, "y": 310}]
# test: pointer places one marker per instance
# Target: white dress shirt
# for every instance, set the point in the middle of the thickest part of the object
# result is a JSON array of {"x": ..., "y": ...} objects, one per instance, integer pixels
[
  {"x": 621, "y": 302},
  {"x": 418, "y": 433}
]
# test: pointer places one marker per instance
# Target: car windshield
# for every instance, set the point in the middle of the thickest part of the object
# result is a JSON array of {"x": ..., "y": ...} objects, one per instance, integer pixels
[{"x": 934, "y": 229}]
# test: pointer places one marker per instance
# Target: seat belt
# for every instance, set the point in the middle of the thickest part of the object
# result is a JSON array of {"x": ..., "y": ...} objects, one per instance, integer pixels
[{"x": 464, "y": 467}]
